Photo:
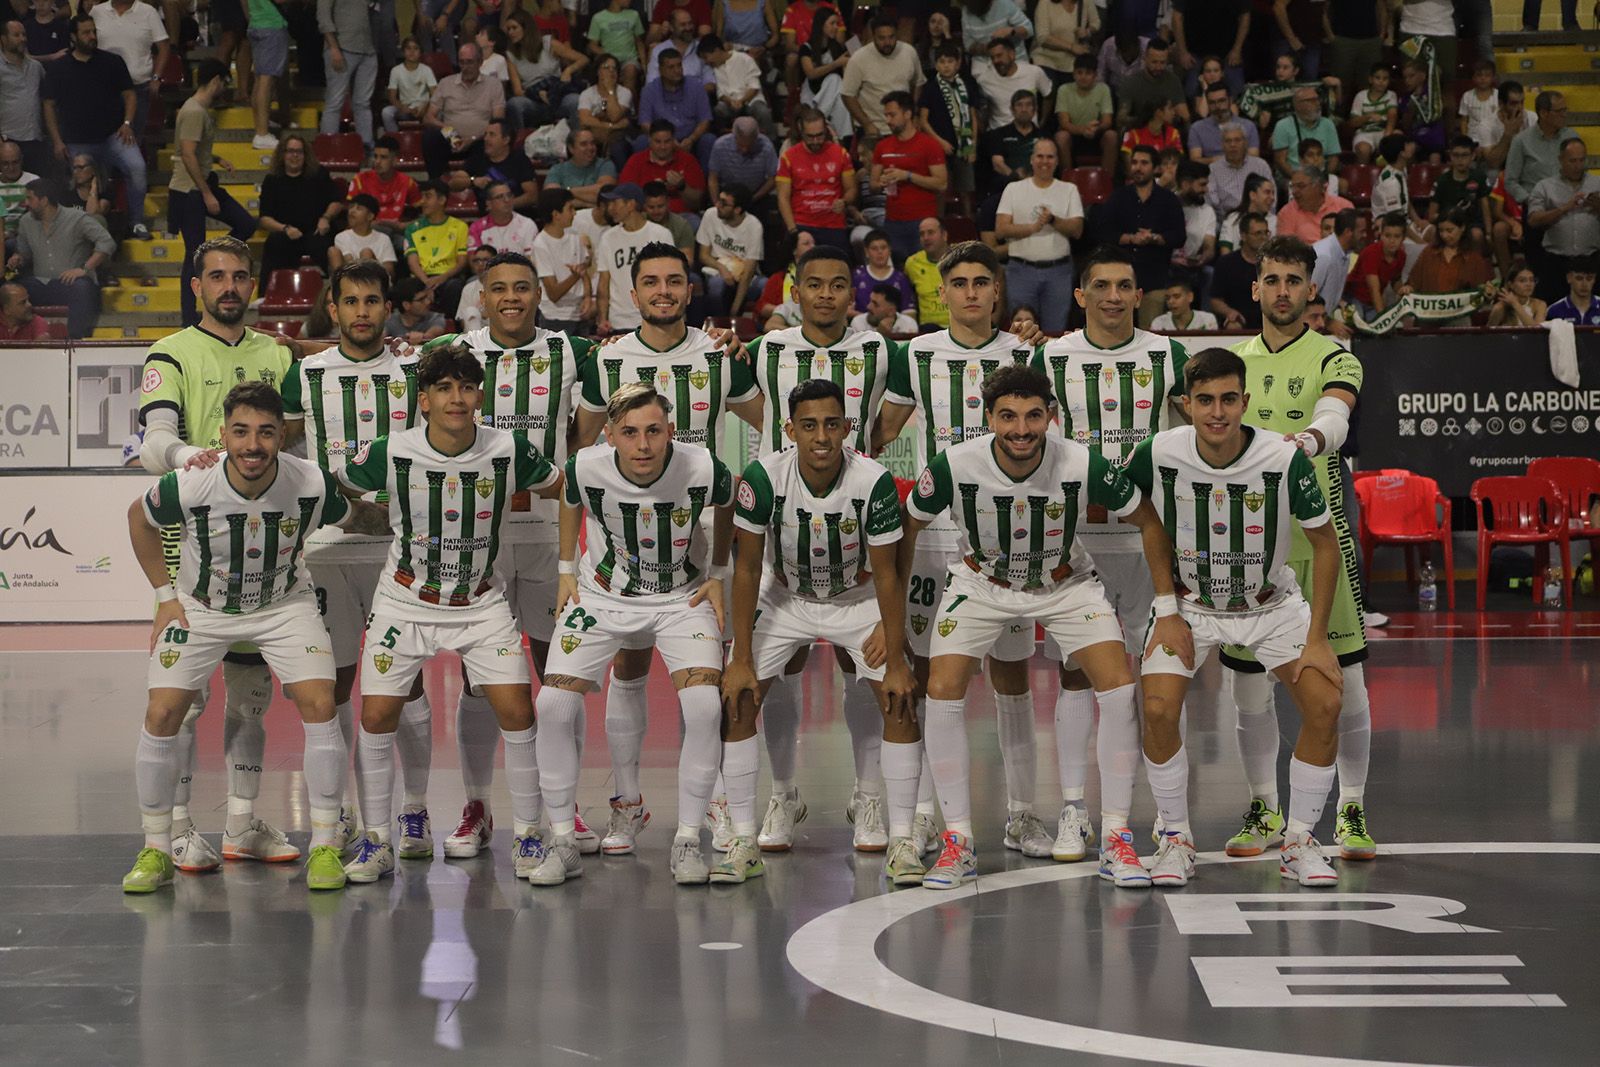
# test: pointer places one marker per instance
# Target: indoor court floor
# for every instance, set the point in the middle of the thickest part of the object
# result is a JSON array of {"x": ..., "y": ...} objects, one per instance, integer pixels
[{"x": 1471, "y": 939}]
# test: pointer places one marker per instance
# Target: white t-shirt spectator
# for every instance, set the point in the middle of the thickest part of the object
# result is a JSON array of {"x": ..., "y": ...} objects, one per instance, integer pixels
[
  {"x": 1479, "y": 113},
  {"x": 743, "y": 240},
  {"x": 554, "y": 257},
  {"x": 590, "y": 100},
  {"x": 1203, "y": 320},
  {"x": 998, "y": 91},
  {"x": 585, "y": 225},
  {"x": 351, "y": 245},
  {"x": 1229, "y": 233},
  {"x": 1430, "y": 18},
  {"x": 131, "y": 35},
  {"x": 495, "y": 67},
  {"x": 468, "y": 313},
  {"x": 515, "y": 236},
  {"x": 1023, "y": 201},
  {"x": 614, "y": 255},
  {"x": 1199, "y": 222},
  {"x": 414, "y": 86},
  {"x": 903, "y": 324},
  {"x": 737, "y": 76}
]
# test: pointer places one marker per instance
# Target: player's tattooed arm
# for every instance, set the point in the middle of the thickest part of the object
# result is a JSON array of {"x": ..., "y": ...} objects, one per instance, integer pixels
[{"x": 368, "y": 518}]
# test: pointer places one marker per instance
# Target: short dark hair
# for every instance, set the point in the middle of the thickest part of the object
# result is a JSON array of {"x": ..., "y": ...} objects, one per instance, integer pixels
[
  {"x": 1380, "y": 65},
  {"x": 360, "y": 272},
  {"x": 1344, "y": 221},
  {"x": 653, "y": 189},
  {"x": 660, "y": 250},
  {"x": 1286, "y": 248},
  {"x": 1317, "y": 298},
  {"x": 1541, "y": 103},
  {"x": 663, "y": 125},
  {"x": 709, "y": 43},
  {"x": 1581, "y": 265},
  {"x": 815, "y": 389},
  {"x": 883, "y": 18},
  {"x": 437, "y": 185},
  {"x": 1146, "y": 150},
  {"x": 1024, "y": 94},
  {"x": 552, "y": 199},
  {"x": 1210, "y": 364},
  {"x": 1104, "y": 256},
  {"x": 1219, "y": 87},
  {"x": 48, "y": 188},
  {"x": 1157, "y": 44},
  {"x": 948, "y": 50},
  {"x": 666, "y": 54},
  {"x": 79, "y": 20},
  {"x": 1310, "y": 144},
  {"x": 453, "y": 361},
  {"x": 1249, "y": 219},
  {"x": 1562, "y": 147},
  {"x": 1463, "y": 141},
  {"x": 511, "y": 259},
  {"x": 1508, "y": 87},
  {"x": 1183, "y": 280},
  {"x": 1016, "y": 380},
  {"x": 999, "y": 42},
  {"x": 818, "y": 254},
  {"x": 227, "y": 245},
  {"x": 739, "y": 193},
  {"x": 969, "y": 252},
  {"x": 1394, "y": 220},
  {"x": 208, "y": 70},
  {"x": 901, "y": 99},
  {"x": 1191, "y": 171},
  {"x": 390, "y": 143},
  {"x": 890, "y": 293},
  {"x": 875, "y": 235},
  {"x": 406, "y": 290},
  {"x": 1391, "y": 146},
  {"x": 1085, "y": 62},
  {"x": 257, "y": 396},
  {"x": 366, "y": 200}
]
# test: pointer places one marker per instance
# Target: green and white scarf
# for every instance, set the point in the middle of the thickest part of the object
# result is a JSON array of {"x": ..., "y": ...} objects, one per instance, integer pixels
[
  {"x": 960, "y": 109},
  {"x": 1424, "y": 307}
]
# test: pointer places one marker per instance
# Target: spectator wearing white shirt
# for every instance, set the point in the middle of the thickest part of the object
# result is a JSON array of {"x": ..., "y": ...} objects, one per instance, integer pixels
[
  {"x": 359, "y": 240},
  {"x": 469, "y": 309},
  {"x": 1038, "y": 218},
  {"x": 503, "y": 227},
  {"x": 738, "y": 80},
  {"x": 131, "y": 30},
  {"x": 890, "y": 65},
  {"x": 1510, "y": 120},
  {"x": 411, "y": 86},
  {"x": 1260, "y": 194},
  {"x": 1333, "y": 265},
  {"x": 1004, "y": 76},
  {"x": 1180, "y": 313},
  {"x": 561, "y": 258},
  {"x": 1199, "y": 217},
  {"x": 730, "y": 245},
  {"x": 883, "y": 314}
]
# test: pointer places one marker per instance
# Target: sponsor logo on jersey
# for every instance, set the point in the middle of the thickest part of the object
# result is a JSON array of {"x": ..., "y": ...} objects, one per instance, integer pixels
[
  {"x": 398, "y": 416},
  {"x": 1267, "y": 380},
  {"x": 1295, "y": 413},
  {"x": 570, "y": 642},
  {"x": 681, "y": 542},
  {"x": 1019, "y": 534},
  {"x": 315, "y": 650},
  {"x": 1142, "y": 375},
  {"x": 383, "y": 661},
  {"x": 919, "y": 623},
  {"x": 484, "y": 486},
  {"x": 1263, "y": 414},
  {"x": 946, "y": 627},
  {"x": 1142, "y": 405},
  {"x": 540, "y": 390},
  {"x": 451, "y": 514},
  {"x": 700, "y": 405},
  {"x": 1053, "y": 533},
  {"x": 1253, "y": 501},
  {"x": 699, "y": 379},
  {"x": 1254, "y": 530},
  {"x": 152, "y": 380},
  {"x": 680, "y": 516},
  {"x": 367, "y": 415},
  {"x": 485, "y": 514},
  {"x": 974, "y": 402},
  {"x": 1055, "y": 510},
  {"x": 847, "y": 527},
  {"x": 504, "y": 389},
  {"x": 1219, "y": 527},
  {"x": 1109, "y": 404},
  {"x": 1295, "y": 385},
  {"x": 168, "y": 657},
  {"x": 647, "y": 542},
  {"x": 854, "y": 392},
  {"x": 819, "y": 552},
  {"x": 506, "y": 652},
  {"x": 746, "y": 496}
]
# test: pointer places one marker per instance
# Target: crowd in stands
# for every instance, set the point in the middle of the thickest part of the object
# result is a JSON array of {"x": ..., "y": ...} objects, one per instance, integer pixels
[{"x": 1185, "y": 131}]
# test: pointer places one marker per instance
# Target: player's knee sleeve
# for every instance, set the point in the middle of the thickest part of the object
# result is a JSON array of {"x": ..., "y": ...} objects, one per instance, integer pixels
[{"x": 1252, "y": 692}]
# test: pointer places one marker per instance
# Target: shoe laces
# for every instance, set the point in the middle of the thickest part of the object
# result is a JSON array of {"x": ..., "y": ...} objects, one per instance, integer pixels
[
  {"x": 681, "y": 849},
  {"x": 578, "y": 825},
  {"x": 1026, "y": 824},
  {"x": 471, "y": 819},
  {"x": 412, "y": 823},
  {"x": 1255, "y": 820},
  {"x": 272, "y": 832},
  {"x": 530, "y": 847},
  {"x": 951, "y": 854},
  {"x": 368, "y": 849},
  {"x": 619, "y": 823},
  {"x": 869, "y": 811},
  {"x": 1121, "y": 849},
  {"x": 1355, "y": 820},
  {"x": 901, "y": 850}
]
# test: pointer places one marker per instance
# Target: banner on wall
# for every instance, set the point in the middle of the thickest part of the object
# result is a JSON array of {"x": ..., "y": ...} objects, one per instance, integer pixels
[
  {"x": 105, "y": 402},
  {"x": 64, "y": 549},
  {"x": 34, "y": 418}
]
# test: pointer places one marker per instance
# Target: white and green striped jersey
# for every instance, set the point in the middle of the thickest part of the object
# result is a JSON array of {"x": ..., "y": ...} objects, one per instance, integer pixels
[
  {"x": 943, "y": 379},
  {"x": 1108, "y": 400},
  {"x": 446, "y": 511},
  {"x": 1021, "y": 533},
  {"x": 696, "y": 375},
  {"x": 858, "y": 363},
  {"x": 817, "y": 542},
  {"x": 1230, "y": 526},
  {"x": 529, "y": 389},
  {"x": 642, "y": 537},
  {"x": 239, "y": 554}
]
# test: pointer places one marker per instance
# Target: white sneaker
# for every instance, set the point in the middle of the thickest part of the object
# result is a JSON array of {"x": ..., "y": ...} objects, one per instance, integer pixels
[
  {"x": 687, "y": 865},
  {"x": 472, "y": 835},
  {"x": 264, "y": 141},
  {"x": 1174, "y": 862},
  {"x": 627, "y": 820},
  {"x": 193, "y": 853},
  {"x": 560, "y": 863},
  {"x": 588, "y": 841},
  {"x": 416, "y": 834},
  {"x": 527, "y": 853},
  {"x": 1301, "y": 859},
  {"x": 924, "y": 833},
  {"x": 258, "y": 841},
  {"x": 956, "y": 866},
  {"x": 742, "y": 863},
  {"x": 783, "y": 815},
  {"x": 373, "y": 860},
  {"x": 1119, "y": 863},
  {"x": 1026, "y": 834},
  {"x": 865, "y": 813},
  {"x": 903, "y": 863},
  {"x": 720, "y": 823},
  {"x": 348, "y": 835},
  {"x": 1073, "y": 834}
]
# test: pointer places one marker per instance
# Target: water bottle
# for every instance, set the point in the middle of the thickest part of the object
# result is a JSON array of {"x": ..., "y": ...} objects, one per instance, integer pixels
[
  {"x": 1427, "y": 588},
  {"x": 1552, "y": 587}
]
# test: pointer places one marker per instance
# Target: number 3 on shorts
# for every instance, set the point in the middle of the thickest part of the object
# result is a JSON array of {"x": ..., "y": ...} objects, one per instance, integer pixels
[{"x": 578, "y": 619}]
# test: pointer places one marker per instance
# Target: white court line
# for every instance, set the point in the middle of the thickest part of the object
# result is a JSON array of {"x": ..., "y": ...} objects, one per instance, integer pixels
[{"x": 838, "y": 952}]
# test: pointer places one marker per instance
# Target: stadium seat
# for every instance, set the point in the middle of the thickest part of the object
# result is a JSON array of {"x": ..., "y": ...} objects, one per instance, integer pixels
[
  {"x": 747, "y": 327},
  {"x": 1406, "y": 509},
  {"x": 463, "y": 204},
  {"x": 1094, "y": 184},
  {"x": 340, "y": 151},
  {"x": 291, "y": 291},
  {"x": 171, "y": 75},
  {"x": 441, "y": 64},
  {"x": 410, "y": 150},
  {"x": 1522, "y": 510},
  {"x": 719, "y": 322},
  {"x": 1360, "y": 177},
  {"x": 1578, "y": 479},
  {"x": 287, "y": 327},
  {"x": 960, "y": 228},
  {"x": 58, "y": 330},
  {"x": 1420, "y": 178}
]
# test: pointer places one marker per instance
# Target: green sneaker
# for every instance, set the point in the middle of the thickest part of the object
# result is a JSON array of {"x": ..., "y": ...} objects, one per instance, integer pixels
[
  {"x": 152, "y": 870},
  {"x": 1262, "y": 829},
  {"x": 325, "y": 868},
  {"x": 903, "y": 865},
  {"x": 742, "y": 862},
  {"x": 1350, "y": 834}
]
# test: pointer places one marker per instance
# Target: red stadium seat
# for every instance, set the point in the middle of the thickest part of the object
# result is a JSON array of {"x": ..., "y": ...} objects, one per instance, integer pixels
[
  {"x": 291, "y": 291},
  {"x": 410, "y": 150},
  {"x": 960, "y": 228},
  {"x": 441, "y": 64},
  {"x": 1420, "y": 178},
  {"x": 1094, "y": 184},
  {"x": 58, "y": 330},
  {"x": 340, "y": 151},
  {"x": 747, "y": 327},
  {"x": 1401, "y": 508},
  {"x": 287, "y": 327},
  {"x": 1522, "y": 510},
  {"x": 463, "y": 204},
  {"x": 1360, "y": 177},
  {"x": 1578, "y": 479}
]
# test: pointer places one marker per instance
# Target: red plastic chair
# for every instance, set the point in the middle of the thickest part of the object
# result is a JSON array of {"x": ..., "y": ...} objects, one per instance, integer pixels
[
  {"x": 291, "y": 291},
  {"x": 1578, "y": 479},
  {"x": 747, "y": 327},
  {"x": 1420, "y": 178},
  {"x": 410, "y": 142},
  {"x": 1359, "y": 177},
  {"x": 1094, "y": 184},
  {"x": 287, "y": 327},
  {"x": 1523, "y": 511},
  {"x": 340, "y": 151},
  {"x": 463, "y": 204},
  {"x": 1406, "y": 509},
  {"x": 960, "y": 228},
  {"x": 441, "y": 64}
]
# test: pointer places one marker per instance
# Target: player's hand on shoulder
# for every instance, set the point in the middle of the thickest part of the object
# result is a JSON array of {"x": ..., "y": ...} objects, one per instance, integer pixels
[{"x": 203, "y": 459}]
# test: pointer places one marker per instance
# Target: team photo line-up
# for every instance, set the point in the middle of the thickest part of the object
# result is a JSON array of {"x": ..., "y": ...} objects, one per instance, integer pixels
[{"x": 1142, "y": 505}]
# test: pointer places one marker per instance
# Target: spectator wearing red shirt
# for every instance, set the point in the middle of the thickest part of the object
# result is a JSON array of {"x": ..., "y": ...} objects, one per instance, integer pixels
[
  {"x": 817, "y": 183},
  {"x": 1379, "y": 266},
  {"x": 1158, "y": 132},
  {"x": 394, "y": 191},
  {"x": 663, "y": 161},
  {"x": 17, "y": 320},
  {"x": 909, "y": 168}
]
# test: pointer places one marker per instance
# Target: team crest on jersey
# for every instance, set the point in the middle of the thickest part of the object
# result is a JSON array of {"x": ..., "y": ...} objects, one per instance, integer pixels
[
  {"x": 539, "y": 364},
  {"x": 699, "y": 379},
  {"x": 647, "y": 516},
  {"x": 484, "y": 486},
  {"x": 287, "y": 527},
  {"x": 1219, "y": 497},
  {"x": 919, "y": 623},
  {"x": 1110, "y": 375},
  {"x": 383, "y": 661},
  {"x": 1142, "y": 376},
  {"x": 365, "y": 387},
  {"x": 1055, "y": 510},
  {"x": 570, "y": 642},
  {"x": 680, "y": 516},
  {"x": 1253, "y": 501},
  {"x": 853, "y": 365},
  {"x": 847, "y": 527},
  {"x": 747, "y": 496},
  {"x": 397, "y": 389},
  {"x": 452, "y": 485},
  {"x": 1267, "y": 380},
  {"x": 168, "y": 657},
  {"x": 1295, "y": 385},
  {"x": 925, "y": 483},
  {"x": 255, "y": 526},
  {"x": 946, "y": 627},
  {"x": 1021, "y": 507}
]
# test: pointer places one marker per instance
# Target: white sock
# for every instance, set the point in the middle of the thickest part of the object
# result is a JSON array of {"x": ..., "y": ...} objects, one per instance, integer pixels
[
  {"x": 1117, "y": 752},
  {"x": 1257, "y": 734},
  {"x": 945, "y": 739},
  {"x": 927, "y": 800},
  {"x": 375, "y": 775},
  {"x": 477, "y": 736},
  {"x": 780, "y": 729},
  {"x": 1308, "y": 794},
  {"x": 558, "y": 751},
  {"x": 865, "y": 722},
  {"x": 1019, "y": 753},
  {"x": 326, "y": 760},
  {"x": 413, "y": 738},
  {"x": 1169, "y": 782},
  {"x": 625, "y": 727},
  {"x": 186, "y": 750},
  {"x": 247, "y": 690},
  {"x": 741, "y": 765},
  {"x": 701, "y": 753},
  {"x": 902, "y": 773},
  {"x": 1355, "y": 736},
  {"x": 156, "y": 775},
  {"x": 345, "y": 715},
  {"x": 1074, "y": 724},
  {"x": 522, "y": 778}
]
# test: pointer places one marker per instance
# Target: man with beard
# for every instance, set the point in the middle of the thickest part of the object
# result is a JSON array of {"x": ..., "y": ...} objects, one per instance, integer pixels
[
  {"x": 1017, "y": 563},
  {"x": 187, "y": 375},
  {"x": 1304, "y": 385},
  {"x": 872, "y": 74}
]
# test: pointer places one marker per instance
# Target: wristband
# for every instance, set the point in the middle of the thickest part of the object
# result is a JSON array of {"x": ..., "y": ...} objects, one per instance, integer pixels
[
  {"x": 1166, "y": 605},
  {"x": 567, "y": 566},
  {"x": 166, "y": 593},
  {"x": 721, "y": 574}
]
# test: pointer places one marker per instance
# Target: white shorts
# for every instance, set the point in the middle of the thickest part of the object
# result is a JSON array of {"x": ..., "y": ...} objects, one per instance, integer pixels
[
  {"x": 1277, "y": 636},
  {"x": 589, "y": 634},
  {"x": 930, "y": 573},
  {"x": 531, "y": 586},
  {"x": 488, "y": 641},
  {"x": 289, "y": 635},
  {"x": 344, "y": 596},
  {"x": 785, "y": 622},
  {"x": 1126, "y": 578},
  {"x": 975, "y": 612}
]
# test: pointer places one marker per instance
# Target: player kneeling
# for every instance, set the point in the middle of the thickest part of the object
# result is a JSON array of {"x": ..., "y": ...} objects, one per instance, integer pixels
[
  {"x": 1227, "y": 494},
  {"x": 832, "y": 517},
  {"x": 241, "y": 577}
]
